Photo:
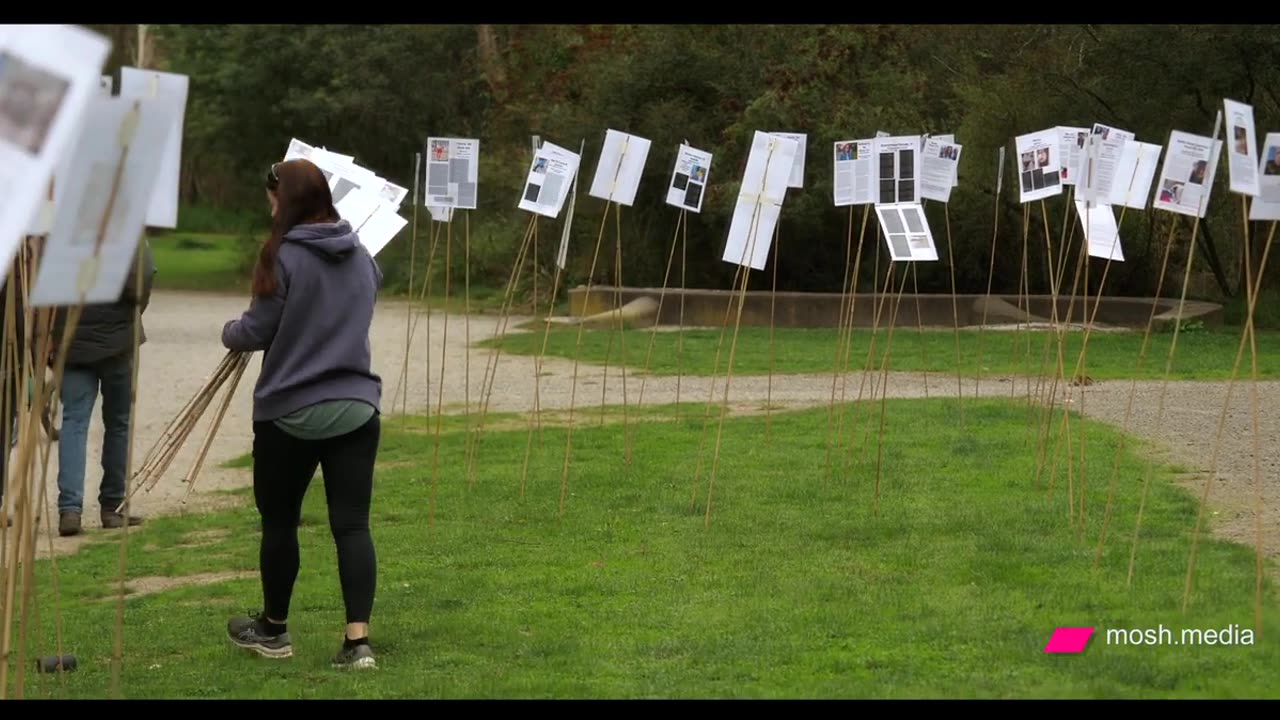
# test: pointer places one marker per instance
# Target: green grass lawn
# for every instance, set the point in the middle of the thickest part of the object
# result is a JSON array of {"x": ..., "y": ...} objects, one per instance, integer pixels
[
  {"x": 1200, "y": 354},
  {"x": 199, "y": 261},
  {"x": 796, "y": 589}
]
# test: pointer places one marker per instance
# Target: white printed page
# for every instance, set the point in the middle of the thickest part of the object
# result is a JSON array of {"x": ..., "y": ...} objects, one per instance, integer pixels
[
  {"x": 854, "y": 173},
  {"x": 939, "y": 169},
  {"x": 1242, "y": 158},
  {"x": 1071, "y": 143},
  {"x": 1100, "y": 162},
  {"x": 1039, "y": 166},
  {"x": 452, "y": 172},
  {"x": 547, "y": 184},
  {"x": 98, "y": 222},
  {"x": 1266, "y": 206},
  {"x": 620, "y": 168},
  {"x": 906, "y": 233},
  {"x": 169, "y": 88},
  {"x": 1186, "y": 179},
  {"x": 689, "y": 178},
  {"x": 897, "y": 168},
  {"x": 1100, "y": 230},
  {"x": 48, "y": 74}
]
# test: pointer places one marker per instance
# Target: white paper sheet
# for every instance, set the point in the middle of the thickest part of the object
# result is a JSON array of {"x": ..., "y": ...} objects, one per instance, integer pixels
[
  {"x": 453, "y": 172},
  {"x": 1242, "y": 160},
  {"x": 298, "y": 150},
  {"x": 1266, "y": 206},
  {"x": 939, "y": 169},
  {"x": 381, "y": 228},
  {"x": 897, "y": 168},
  {"x": 1186, "y": 180},
  {"x": 855, "y": 172},
  {"x": 1100, "y": 230},
  {"x": 1100, "y": 162},
  {"x": 562, "y": 254},
  {"x": 1071, "y": 143},
  {"x": 951, "y": 138},
  {"x": 73, "y": 268},
  {"x": 906, "y": 232},
  {"x": 550, "y": 174},
  {"x": 797, "y": 168},
  {"x": 1134, "y": 175},
  {"x": 440, "y": 214},
  {"x": 48, "y": 74},
  {"x": 107, "y": 85},
  {"x": 1039, "y": 166},
  {"x": 764, "y": 187},
  {"x": 357, "y": 206},
  {"x": 169, "y": 88},
  {"x": 689, "y": 178},
  {"x": 620, "y": 167}
]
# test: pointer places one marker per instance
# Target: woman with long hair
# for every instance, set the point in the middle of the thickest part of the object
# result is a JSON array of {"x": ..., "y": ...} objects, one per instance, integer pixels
[{"x": 316, "y": 402}]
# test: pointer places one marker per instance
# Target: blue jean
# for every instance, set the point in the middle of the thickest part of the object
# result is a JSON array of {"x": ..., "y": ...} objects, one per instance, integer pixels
[{"x": 80, "y": 387}]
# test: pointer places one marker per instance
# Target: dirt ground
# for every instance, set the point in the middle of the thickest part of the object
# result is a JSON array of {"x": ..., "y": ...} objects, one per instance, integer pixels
[{"x": 184, "y": 348}]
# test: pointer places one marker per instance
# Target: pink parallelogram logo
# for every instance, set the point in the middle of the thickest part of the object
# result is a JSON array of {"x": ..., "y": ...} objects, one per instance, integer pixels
[{"x": 1069, "y": 640}]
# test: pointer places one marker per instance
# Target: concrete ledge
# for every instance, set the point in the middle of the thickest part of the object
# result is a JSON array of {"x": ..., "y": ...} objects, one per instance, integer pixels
[{"x": 707, "y": 308}]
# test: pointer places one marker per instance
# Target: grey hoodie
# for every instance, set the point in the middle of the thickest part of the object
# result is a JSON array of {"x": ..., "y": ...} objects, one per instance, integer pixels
[{"x": 314, "y": 332}]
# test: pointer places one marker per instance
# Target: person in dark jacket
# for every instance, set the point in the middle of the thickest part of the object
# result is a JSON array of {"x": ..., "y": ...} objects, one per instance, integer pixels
[
  {"x": 316, "y": 403},
  {"x": 100, "y": 358}
]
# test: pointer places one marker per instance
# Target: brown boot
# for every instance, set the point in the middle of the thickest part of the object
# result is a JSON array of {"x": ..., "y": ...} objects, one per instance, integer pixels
[
  {"x": 68, "y": 523},
  {"x": 112, "y": 520}
]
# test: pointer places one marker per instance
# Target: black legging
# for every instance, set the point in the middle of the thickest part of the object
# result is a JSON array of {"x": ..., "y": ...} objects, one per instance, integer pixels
[{"x": 283, "y": 466}]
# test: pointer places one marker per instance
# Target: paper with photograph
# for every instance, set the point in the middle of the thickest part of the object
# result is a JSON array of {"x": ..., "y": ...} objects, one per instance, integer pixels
[
  {"x": 689, "y": 178},
  {"x": 855, "y": 172},
  {"x": 620, "y": 167},
  {"x": 797, "y": 169},
  {"x": 48, "y": 74},
  {"x": 453, "y": 172},
  {"x": 98, "y": 222},
  {"x": 764, "y": 187},
  {"x": 951, "y": 138},
  {"x": 1071, "y": 143},
  {"x": 906, "y": 232},
  {"x": 1242, "y": 160},
  {"x": 298, "y": 149},
  {"x": 169, "y": 88},
  {"x": 562, "y": 253},
  {"x": 547, "y": 184},
  {"x": 1134, "y": 175},
  {"x": 1266, "y": 206},
  {"x": 897, "y": 168},
  {"x": 938, "y": 169},
  {"x": 1100, "y": 230},
  {"x": 1039, "y": 166},
  {"x": 1186, "y": 180},
  {"x": 1099, "y": 162}
]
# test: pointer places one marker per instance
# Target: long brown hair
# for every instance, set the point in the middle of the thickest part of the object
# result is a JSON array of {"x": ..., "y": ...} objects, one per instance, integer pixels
[{"x": 302, "y": 196}]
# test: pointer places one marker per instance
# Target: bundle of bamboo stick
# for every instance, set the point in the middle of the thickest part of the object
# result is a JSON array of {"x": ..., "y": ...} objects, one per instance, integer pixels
[{"x": 174, "y": 438}]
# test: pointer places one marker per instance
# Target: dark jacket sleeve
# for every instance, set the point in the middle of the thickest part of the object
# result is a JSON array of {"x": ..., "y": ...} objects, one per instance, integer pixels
[
  {"x": 132, "y": 293},
  {"x": 256, "y": 328}
]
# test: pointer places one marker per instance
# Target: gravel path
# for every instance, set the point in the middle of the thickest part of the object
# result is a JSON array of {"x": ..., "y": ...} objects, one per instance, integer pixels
[{"x": 184, "y": 348}]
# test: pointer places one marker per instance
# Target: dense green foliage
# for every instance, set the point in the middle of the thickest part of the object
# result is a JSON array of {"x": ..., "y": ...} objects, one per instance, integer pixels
[{"x": 378, "y": 91}]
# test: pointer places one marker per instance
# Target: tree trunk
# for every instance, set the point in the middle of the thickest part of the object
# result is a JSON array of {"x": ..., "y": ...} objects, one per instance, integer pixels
[{"x": 495, "y": 73}]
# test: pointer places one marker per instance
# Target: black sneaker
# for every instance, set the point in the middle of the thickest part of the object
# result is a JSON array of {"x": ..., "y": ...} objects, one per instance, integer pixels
[
  {"x": 250, "y": 633},
  {"x": 356, "y": 657}
]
